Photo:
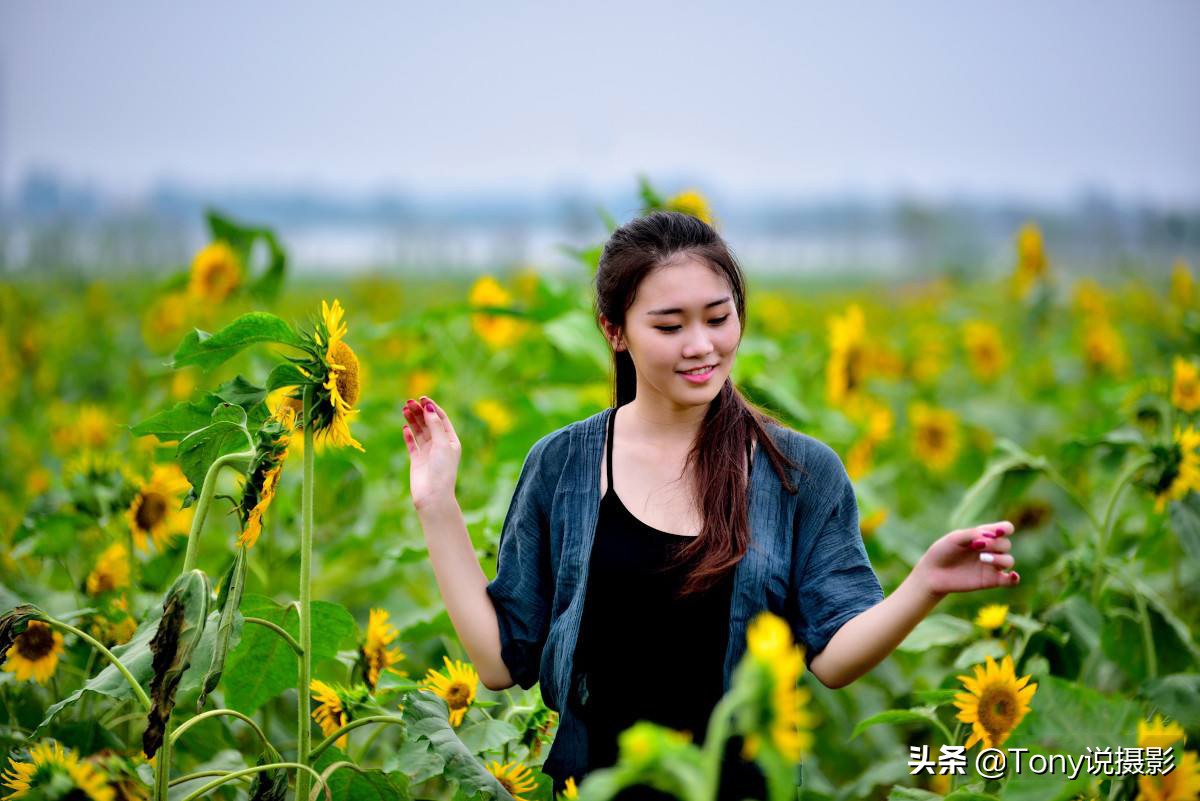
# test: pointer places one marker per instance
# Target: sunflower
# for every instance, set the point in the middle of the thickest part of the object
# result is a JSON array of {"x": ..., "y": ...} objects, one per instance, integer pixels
[
  {"x": 165, "y": 318},
  {"x": 992, "y": 616},
  {"x": 1031, "y": 259},
  {"x": 496, "y": 330},
  {"x": 216, "y": 272},
  {"x": 155, "y": 514},
  {"x": 1181, "y": 783},
  {"x": 86, "y": 427},
  {"x": 1157, "y": 733},
  {"x": 49, "y": 759},
  {"x": 847, "y": 366},
  {"x": 691, "y": 201},
  {"x": 1090, "y": 300},
  {"x": 1185, "y": 385},
  {"x": 457, "y": 686},
  {"x": 985, "y": 349},
  {"x": 34, "y": 653},
  {"x": 377, "y": 656},
  {"x": 1104, "y": 349},
  {"x": 497, "y": 416},
  {"x": 337, "y": 375},
  {"x": 995, "y": 702},
  {"x": 570, "y": 790},
  {"x": 515, "y": 777},
  {"x": 929, "y": 358},
  {"x": 1183, "y": 285},
  {"x": 871, "y": 523},
  {"x": 1182, "y": 471},
  {"x": 111, "y": 571},
  {"x": 259, "y": 490},
  {"x": 935, "y": 437},
  {"x": 331, "y": 712},
  {"x": 769, "y": 642}
]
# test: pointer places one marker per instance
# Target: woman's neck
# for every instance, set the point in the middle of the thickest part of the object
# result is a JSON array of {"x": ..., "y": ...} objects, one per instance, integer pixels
[{"x": 659, "y": 423}]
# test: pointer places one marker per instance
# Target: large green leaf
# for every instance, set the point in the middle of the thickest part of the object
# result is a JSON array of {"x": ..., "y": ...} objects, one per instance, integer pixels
[
  {"x": 487, "y": 735},
  {"x": 925, "y": 715},
  {"x": 1004, "y": 480},
  {"x": 172, "y": 425},
  {"x": 263, "y": 665},
  {"x": 574, "y": 334},
  {"x": 1185, "y": 521},
  {"x": 359, "y": 784},
  {"x": 242, "y": 238},
  {"x": 226, "y": 433},
  {"x": 938, "y": 630},
  {"x": 417, "y": 760},
  {"x": 185, "y": 612},
  {"x": 431, "y": 721},
  {"x": 207, "y": 351}
]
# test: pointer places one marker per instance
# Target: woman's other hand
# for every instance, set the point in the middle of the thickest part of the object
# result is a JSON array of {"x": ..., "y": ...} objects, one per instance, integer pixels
[
  {"x": 433, "y": 451},
  {"x": 975, "y": 558}
]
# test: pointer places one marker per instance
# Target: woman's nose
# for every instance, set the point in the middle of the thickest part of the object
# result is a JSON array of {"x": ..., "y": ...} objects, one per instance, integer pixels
[{"x": 698, "y": 344}]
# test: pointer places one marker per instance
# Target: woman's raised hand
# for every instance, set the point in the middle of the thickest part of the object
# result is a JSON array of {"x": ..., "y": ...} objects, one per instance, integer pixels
[
  {"x": 975, "y": 558},
  {"x": 433, "y": 451}
]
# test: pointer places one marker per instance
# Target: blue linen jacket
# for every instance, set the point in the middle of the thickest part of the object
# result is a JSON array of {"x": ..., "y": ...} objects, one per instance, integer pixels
[{"x": 805, "y": 562}]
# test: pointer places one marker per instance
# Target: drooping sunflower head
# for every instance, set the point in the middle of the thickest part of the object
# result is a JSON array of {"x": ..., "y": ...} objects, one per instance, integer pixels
[
  {"x": 155, "y": 514},
  {"x": 992, "y": 616},
  {"x": 34, "y": 653},
  {"x": 457, "y": 686},
  {"x": 216, "y": 272},
  {"x": 1178, "y": 466},
  {"x": 994, "y": 703},
  {"x": 48, "y": 762},
  {"x": 272, "y": 441},
  {"x": 376, "y": 654},
  {"x": 935, "y": 435},
  {"x": 331, "y": 712},
  {"x": 1185, "y": 385},
  {"x": 336, "y": 376},
  {"x": 111, "y": 571},
  {"x": 515, "y": 777}
]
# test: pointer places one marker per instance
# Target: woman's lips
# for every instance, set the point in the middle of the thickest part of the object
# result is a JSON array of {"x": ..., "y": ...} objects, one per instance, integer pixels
[{"x": 700, "y": 378}]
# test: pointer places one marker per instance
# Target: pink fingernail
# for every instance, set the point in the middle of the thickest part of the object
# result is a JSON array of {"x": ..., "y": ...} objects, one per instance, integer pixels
[
  {"x": 977, "y": 544},
  {"x": 989, "y": 534},
  {"x": 999, "y": 532},
  {"x": 429, "y": 406},
  {"x": 1016, "y": 576}
]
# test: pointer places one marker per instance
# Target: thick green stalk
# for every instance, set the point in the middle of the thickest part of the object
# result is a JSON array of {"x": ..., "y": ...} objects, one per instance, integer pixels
[
  {"x": 207, "y": 491},
  {"x": 302, "y": 770},
  {"x": 303, "y": 724},
  {"x": 1110, "y": 514}
]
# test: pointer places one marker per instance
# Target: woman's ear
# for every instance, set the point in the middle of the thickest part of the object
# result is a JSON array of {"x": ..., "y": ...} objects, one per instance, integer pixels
[{"x": 613, "y": 334}]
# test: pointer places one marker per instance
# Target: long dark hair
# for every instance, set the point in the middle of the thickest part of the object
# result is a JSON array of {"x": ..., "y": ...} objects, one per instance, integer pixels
[{"x": 718, "y": 477}]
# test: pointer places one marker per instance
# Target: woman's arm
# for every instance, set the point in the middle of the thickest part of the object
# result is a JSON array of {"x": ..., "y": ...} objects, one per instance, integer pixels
[
  {"x": 952, "y": 564},
  {"x": 434, "y": 452}
]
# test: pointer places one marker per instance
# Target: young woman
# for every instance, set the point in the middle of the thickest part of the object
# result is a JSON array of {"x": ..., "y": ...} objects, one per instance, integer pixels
[{"x": 641, "y": 541}]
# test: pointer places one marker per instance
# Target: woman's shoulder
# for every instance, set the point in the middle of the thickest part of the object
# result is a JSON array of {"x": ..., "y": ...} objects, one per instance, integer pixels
[{"x": 816, "y": 462}]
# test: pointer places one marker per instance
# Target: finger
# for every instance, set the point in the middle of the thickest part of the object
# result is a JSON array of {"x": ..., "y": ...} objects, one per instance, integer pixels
[
  {"x": 998, "y": 560},
  {"x": 1001, "y": 528},
  {"x": 434, "y": 423},
  {"x": 995, "y": 545},
  {"x": 451, "y": 434},
  {"x": 410, "y": 442},
  {"x": 416, "y": 418}
]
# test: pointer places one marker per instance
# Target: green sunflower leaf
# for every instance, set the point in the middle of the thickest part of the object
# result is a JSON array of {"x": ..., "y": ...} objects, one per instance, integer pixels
[
  {"x": 229, "y": 626},
  {"x": 207, "y": 351},
  {"x": 185, "y": 612},
  {"x": 431, "y": 721},
  {"x": 241, "y": 392},
  {"x": 226, "y": 433},
  {"x": 1004, "y": 481},
  {"x": 285, "y": 375},
  {"x": 352, "y": 783},
  {"x": 938, "y": 630}
]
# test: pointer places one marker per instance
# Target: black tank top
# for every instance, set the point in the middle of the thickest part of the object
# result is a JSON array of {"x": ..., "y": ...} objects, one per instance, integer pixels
[{"x": 646, "y": 654}]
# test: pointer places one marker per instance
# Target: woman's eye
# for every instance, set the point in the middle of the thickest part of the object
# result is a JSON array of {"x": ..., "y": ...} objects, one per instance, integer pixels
[
  {"x": 668, "y": 328},
  {"x": 719, "y": 320}
]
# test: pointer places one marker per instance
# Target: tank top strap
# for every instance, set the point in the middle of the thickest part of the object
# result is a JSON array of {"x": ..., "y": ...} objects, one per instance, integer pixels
[{"x": 612, "y": 426}]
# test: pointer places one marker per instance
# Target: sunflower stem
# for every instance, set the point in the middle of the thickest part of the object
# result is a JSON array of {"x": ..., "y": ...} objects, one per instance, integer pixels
[
  {"x": 1110, "y": 513},
  {"x": 282, "y": 632},
  {"x": 315, "y": 754},
  {"x": 303, "y": 724},
  {"x": 143, "y": 699},
  {"x": 207, "y": 491},
  {"x": 212, "y": 713},
  {"x": 301, "y": 770}
]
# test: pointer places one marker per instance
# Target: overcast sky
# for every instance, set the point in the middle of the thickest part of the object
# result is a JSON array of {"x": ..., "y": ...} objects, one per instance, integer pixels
[{"x": 1029, "y": 98}]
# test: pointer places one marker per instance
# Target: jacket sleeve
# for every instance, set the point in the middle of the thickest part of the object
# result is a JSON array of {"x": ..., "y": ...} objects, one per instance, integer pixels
[
  {"x": 832, "y": 579},
  {"x": 523, "y": 587}
]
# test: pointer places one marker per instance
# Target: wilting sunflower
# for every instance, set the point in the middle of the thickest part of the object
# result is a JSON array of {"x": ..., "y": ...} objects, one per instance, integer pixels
[
  {"x": 992, "y": 616},
  {"x": 457, "y": 686},
  {"x": 1031, "y": 259},
  {"x": 496, "y": 330},
  {"x": 330, "y": 713},
  {"x": 376, "y": 655},
  {"x": 995, "y": 702},
  {"x": 1185, "y": 385},
  {"x": 769, "y": 642},
  {"x": 47, "y": 760},
  {"x": 515, "y": 777},
  {"x": 847, "y": 366},
  {"x": 1183, "y": 285},
  {"x": 34, "y": 653},
  {"x": 985, "y": 349},
  {"x": 336, "y": 375},
  {"x": 259, "y": 490},
  {"x": 1182, "y": 783},
  {"x": 111, "y": 571},
  {"x": 155, "y": 514},
  {"x": 935, "y": 435},
  {"x": 1181, "y": 468},
  {"x": 691, "y": 201},
  {"x": 216, "y": 272},
  {"x": 495, "y": 414}
]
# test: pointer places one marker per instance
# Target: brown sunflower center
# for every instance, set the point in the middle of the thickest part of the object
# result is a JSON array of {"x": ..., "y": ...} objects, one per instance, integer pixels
[
  {"x": 347, "y": 379},
  {"x": 508, "y": 785},
  {"x": 855, "y": 362},
  {"x": 934, "y": 437},
  {"x": 105, "y": 581},
  {"x": 36, "y": 642},
  {"x": 458, "y": 696},
  {"x": 997, "y": 710},
  {"x": 152, "y": 511}
]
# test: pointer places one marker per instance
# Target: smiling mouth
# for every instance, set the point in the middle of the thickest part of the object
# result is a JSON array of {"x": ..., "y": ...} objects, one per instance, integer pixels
[{"x": 698, "y": 370}]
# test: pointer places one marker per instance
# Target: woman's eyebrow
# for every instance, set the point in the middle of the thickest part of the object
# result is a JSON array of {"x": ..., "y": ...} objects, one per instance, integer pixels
[{"x": 725, "y": 299}]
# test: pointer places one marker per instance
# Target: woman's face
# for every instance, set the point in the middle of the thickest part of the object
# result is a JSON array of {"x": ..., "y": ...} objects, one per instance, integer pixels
[{"x": 683, "y": 317}]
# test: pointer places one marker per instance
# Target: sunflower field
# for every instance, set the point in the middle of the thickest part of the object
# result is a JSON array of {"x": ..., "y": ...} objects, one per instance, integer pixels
[{"x": 213, "y": 583}]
